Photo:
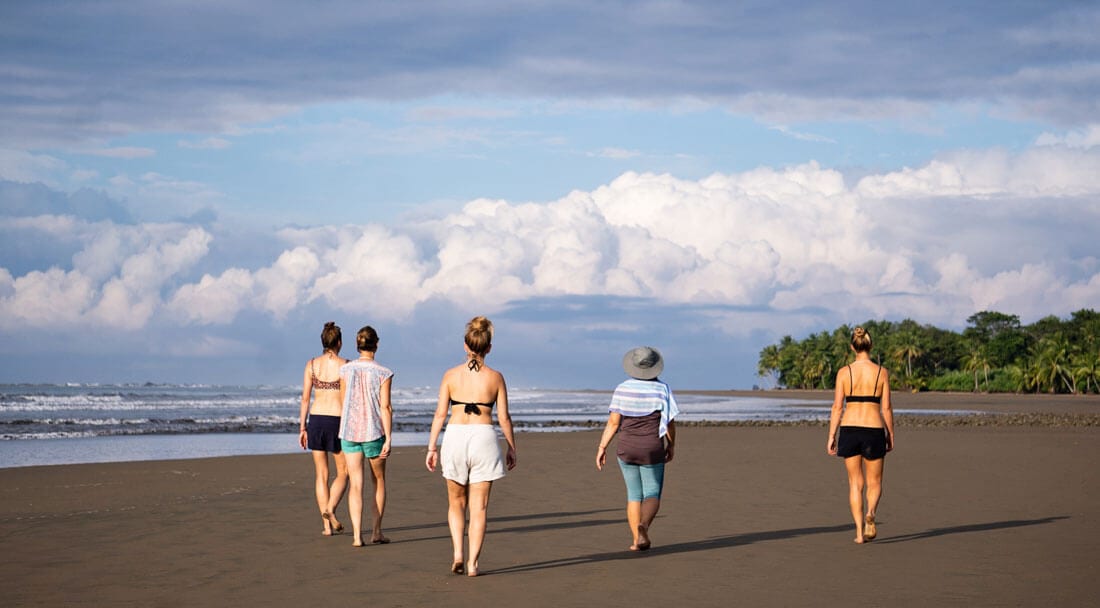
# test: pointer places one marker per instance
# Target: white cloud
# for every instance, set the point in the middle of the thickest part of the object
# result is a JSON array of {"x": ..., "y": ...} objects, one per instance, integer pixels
[
  {"x": 616, "y": 153},
  {"x": 26, "y": 167},
  {"x": 1088, "y": 137},
  {"x": 911, "y": 243},
  {"x": 799, "y": 135},
  {"x": 213, "y": 300},
  {"x": 116, "y": 279},
  {"x": 210, "y": 143},
  {"x": 123, "y": 152},
  {"x": 1036, "y": 172}
]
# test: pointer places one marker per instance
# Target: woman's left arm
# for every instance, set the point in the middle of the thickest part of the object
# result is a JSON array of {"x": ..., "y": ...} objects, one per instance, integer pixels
[
  {"x": 670, "y": 440},
  {"x": 386, "y": 410},
  {"x": 505, "y": 420},
  {"x": 887, "y": 411}
]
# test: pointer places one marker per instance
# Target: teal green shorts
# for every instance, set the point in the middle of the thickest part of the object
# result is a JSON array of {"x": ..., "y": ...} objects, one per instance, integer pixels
[{"x": 370, "y": 449}]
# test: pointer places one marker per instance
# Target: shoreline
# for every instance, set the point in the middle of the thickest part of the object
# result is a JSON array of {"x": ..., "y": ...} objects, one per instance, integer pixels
[{"x": 962, "y": 410}]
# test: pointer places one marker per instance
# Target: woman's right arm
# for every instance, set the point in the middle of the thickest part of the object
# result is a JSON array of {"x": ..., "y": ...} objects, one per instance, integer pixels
[
  {"x": 613, "y": 422},
  {"x": 834, "y": 416},
  {"x": 443, "y": 403},
  {"x": 307, "y": 388}
]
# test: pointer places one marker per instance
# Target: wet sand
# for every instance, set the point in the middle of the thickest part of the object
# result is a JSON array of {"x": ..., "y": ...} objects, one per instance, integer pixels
[{"x": 972, "y": 514}]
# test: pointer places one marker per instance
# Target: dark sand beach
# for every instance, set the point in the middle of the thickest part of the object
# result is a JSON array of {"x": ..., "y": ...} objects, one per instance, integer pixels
[{"x": 973, "y": 514}]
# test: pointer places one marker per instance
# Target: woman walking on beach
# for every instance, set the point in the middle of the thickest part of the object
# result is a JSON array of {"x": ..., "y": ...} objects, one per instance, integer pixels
[
  {"x": 470, "y": 455},
  {"x": 319, "y": 425},
  {"x": 861, "y": 431},
  {"x": 365, "y": 431},
  {"x": 643, "y": 409}
]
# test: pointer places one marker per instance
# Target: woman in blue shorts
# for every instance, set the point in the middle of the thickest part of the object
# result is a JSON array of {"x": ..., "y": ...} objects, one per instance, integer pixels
[
  {"x": 365, "y": 430},
  {"x": 643, "y": 410},
  {"x": 861, "y": 431}
]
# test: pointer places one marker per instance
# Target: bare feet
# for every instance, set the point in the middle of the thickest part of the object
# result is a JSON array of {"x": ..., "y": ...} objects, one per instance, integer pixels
[
  {"x": 643, "y": 538},
  {"x": 379, "y": 540},
  {"x": 358, "y": 542},
  {"x": 458, "y": 567},
  {"x": 869, "y": 531},
  {"x": 332, "y": 526},
  {"x": 471, "y": 570}
]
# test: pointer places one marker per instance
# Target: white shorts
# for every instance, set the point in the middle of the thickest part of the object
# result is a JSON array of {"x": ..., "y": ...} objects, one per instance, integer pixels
[{"x": 470, "y": 453}]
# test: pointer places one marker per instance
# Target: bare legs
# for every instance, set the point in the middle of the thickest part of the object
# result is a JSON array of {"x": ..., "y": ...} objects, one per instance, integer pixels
[
  {"x": 329, "y": 496},
  {"x": 640, "y": 516},
  {"x": 864, "y": 475},
  {"x": 355, "y": 497},
  {"x": 378, "y": 505},
  {"x": 475, "y": 497}
]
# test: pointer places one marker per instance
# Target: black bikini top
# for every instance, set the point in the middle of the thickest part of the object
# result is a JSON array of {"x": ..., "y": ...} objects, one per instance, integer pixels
[
  {"x": 864, "y": 398},
  {"x": 473, "y": 408},
  {"x": 322, "y": 385}
]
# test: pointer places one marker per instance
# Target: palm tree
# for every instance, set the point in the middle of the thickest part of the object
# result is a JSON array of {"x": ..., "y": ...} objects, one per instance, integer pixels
[
  {"x": 978, "y": 360},
  {"x": 1087, "y": 368},
  {"x": 906, "y": 352},
  {"x": 768, "y": 365},
  {"x": 1052, "y": 355},
  {"x": 1027, "y": 376}
]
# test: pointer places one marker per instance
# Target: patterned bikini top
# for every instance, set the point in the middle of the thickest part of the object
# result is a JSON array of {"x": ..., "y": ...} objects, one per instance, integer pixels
[{"x": 322, "y": 385}]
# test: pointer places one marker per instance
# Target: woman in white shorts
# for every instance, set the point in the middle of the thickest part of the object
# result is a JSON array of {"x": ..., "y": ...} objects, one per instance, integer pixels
[{"x": 470, "y": 455}]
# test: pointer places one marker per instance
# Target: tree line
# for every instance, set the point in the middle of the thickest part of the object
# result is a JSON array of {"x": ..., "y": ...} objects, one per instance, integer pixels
[{"x": 995, "y": 353}]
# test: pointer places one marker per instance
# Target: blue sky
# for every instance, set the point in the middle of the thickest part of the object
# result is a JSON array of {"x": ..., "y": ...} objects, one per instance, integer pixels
[{"x": 188, "y": 191}]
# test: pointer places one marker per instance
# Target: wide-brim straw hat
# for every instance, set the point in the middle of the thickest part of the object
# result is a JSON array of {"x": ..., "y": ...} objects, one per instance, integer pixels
[{"x": 643, "y": 363}]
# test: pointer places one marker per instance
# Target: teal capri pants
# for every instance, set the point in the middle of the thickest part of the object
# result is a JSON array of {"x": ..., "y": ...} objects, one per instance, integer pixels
[{"x": 643, "y": 481}]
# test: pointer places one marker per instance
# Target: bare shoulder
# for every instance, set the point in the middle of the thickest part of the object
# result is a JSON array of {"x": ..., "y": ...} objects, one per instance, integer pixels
[{"x": 450, "y": 374}]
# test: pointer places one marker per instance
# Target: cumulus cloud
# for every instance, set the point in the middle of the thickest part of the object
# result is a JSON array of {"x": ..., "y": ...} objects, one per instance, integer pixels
[
  {"x": 115, "y": 280},
  {"x": 936, "y": 242}
]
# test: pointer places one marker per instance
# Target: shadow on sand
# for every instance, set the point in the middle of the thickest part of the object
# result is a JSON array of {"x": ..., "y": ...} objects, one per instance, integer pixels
[
  {"x": 725, "y": 542},
  {"x": 993, "y": 525}
]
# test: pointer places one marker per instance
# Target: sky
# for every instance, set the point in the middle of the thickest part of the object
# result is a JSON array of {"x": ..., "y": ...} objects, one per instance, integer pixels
[{"x": 190, "y": 190}]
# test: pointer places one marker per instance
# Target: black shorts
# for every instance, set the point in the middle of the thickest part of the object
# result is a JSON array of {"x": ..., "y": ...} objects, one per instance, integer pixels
[
  {"x": 323, "y": 433},
  {"x": 869, "y": 442}
]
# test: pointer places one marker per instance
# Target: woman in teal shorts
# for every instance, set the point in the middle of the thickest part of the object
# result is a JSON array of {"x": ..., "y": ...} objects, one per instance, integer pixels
[{"x": 365, "y": 430}]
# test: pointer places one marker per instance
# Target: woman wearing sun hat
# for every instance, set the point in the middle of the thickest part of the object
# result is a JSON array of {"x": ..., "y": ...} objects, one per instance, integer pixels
[{"x": 642, "y": 412}]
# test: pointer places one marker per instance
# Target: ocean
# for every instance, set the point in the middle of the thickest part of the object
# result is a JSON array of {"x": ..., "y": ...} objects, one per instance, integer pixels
[{"x": 80, "y": 423}]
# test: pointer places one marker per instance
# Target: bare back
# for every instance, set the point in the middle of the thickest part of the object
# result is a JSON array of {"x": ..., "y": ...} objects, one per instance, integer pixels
[
  {"x": 322, "y": 380},
  {"x": 865, "y": 389},
  {"x": 484, "y": 389}
]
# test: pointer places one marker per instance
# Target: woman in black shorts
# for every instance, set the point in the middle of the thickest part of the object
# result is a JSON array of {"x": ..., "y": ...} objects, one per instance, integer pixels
[
  {"x": 319, "y": 426},
  {"x": 861, "y": 431}
]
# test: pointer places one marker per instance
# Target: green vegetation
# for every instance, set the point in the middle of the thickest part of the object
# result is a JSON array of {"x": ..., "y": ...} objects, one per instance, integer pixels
[{"x": 995, "y": 353}]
